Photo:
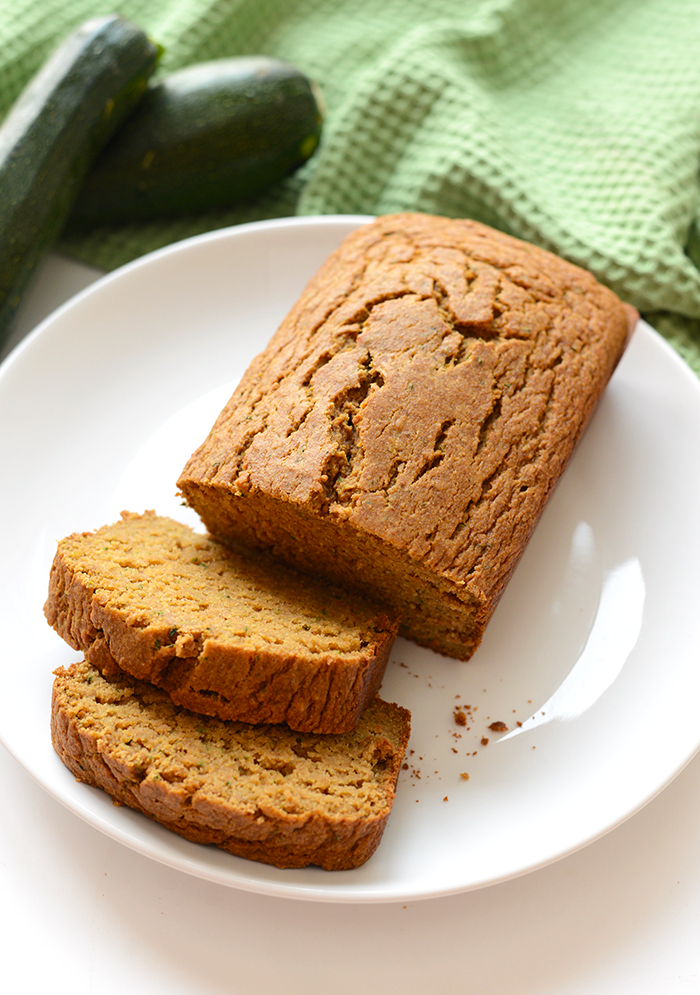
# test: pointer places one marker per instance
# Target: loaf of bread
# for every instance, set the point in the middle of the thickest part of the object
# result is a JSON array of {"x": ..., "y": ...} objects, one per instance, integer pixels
[
  {"x": 261, "y": 792},
  {"x": 225, "y": 633},
  {"x": 406, "y": 424}
]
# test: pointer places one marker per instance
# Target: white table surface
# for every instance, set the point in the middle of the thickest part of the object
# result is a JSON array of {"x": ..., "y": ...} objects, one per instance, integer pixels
[{"x": 81, "y": 912}]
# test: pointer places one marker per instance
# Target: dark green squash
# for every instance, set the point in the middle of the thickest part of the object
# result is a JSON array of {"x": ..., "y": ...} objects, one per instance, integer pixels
[
  {"x": 203, "y": 137},
  {"x": 52, "y": 134}
]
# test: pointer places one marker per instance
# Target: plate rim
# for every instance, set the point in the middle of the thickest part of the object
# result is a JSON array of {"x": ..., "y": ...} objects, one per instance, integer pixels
[{"x": 172, "y": 248}]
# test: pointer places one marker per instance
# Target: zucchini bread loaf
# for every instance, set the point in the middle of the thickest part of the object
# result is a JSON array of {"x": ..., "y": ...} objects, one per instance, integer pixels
[
  {"x": 261, "y": 792},
  {"x": 224, "y": 632},
  {"x": 406, "y": 424}
]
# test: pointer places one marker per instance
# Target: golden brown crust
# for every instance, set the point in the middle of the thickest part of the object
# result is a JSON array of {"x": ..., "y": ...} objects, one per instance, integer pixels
[
  {"x": 264, "y": 793},
  {"x": 411, "y": 416},
  {"x": 225, "y": 633}
]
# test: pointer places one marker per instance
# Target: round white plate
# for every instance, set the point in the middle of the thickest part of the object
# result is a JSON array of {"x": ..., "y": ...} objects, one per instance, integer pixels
[{"x": 591, "y": 659}]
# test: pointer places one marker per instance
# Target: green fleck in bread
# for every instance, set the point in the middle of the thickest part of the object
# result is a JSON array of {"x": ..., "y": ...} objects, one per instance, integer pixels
[
  {"x": 226, "y": 633},
  {"x": 262, "y": 792},
  {"x": 409, "y": 419}
]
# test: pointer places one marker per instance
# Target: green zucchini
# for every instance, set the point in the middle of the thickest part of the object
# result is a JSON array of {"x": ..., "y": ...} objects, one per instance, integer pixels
[
  {"x": 203, "y": 137},
  {"x": 52, "y": 134}
]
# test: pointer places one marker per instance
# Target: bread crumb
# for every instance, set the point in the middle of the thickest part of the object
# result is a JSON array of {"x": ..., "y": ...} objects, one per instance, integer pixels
[
  {"x": 460, "y": 717},
  {"x": 484, "y": 741},
  {"x": 498, "y": 727},
  {"x": 464, "y": 776}
]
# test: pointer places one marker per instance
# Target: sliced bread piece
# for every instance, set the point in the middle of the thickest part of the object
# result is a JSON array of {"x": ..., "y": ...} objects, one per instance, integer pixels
[
  {"x": 261, "y": 792},
  {"x": 224, "y": 632}
]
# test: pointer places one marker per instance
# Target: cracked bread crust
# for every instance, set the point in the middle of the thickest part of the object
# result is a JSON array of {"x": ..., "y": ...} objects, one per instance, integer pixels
[
  {"x": 225, "y": 633},
  {"x": 260, "y": 792},
  {"x": 408, "y": 421}
]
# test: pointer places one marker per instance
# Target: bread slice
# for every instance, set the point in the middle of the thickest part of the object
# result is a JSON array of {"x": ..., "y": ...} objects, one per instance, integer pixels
[
  {"x": 224, "y": 632},
  {"x": 261, "y": 792},
  {"x": 406, "y": 424}
]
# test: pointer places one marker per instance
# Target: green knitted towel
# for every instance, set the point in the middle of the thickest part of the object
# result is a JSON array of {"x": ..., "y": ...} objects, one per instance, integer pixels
[{"x": 572, "y": 123}]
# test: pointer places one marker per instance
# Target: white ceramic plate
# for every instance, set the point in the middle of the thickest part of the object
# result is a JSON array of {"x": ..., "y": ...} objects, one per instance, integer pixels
[{"x": 593, "y": 648}]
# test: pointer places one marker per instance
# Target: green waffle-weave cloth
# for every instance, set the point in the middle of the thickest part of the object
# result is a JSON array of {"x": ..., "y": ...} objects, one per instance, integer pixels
[{"x": 574, "y": 124}]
